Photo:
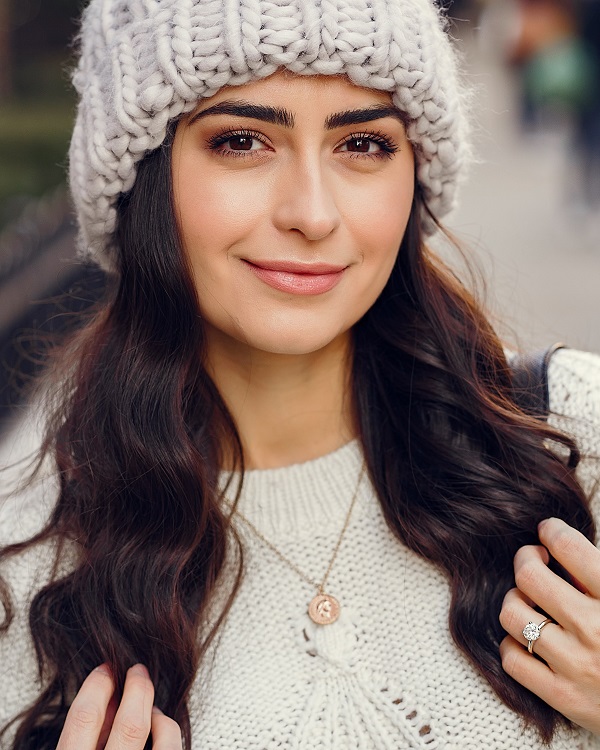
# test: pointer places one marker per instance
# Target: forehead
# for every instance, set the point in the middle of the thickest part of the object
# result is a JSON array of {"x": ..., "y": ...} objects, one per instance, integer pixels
[{"x": 302, "y": 95}]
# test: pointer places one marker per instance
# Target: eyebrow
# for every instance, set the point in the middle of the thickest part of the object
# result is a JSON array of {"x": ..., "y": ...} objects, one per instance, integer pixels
[
  {"x": 285, "y": 118},
  {"x": 358, "y": 116},
  {"x": 274, "y": 115}
]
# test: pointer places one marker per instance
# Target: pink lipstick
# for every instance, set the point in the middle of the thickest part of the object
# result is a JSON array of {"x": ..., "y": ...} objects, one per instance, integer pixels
[{"x": 297, "y": 278}]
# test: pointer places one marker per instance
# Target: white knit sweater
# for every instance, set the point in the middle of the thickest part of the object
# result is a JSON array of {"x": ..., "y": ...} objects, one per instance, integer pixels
[{"x": 386, "y": 675}]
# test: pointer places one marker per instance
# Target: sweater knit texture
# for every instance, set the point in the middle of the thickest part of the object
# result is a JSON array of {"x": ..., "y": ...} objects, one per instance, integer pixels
[
  {"x": 386, "y": 675},
  {"x": 144, "y": 63}
]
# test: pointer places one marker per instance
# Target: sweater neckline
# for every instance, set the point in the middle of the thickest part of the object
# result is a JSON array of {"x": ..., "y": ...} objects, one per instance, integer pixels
[{"x": 297, "y": 500}]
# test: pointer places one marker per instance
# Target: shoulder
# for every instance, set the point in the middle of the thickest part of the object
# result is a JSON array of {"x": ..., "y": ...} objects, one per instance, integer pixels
[
  {"x": 22, "y": 515},
  {"x": 26, "y": 501},
  {"x": 574, "y": 388},
  {"x": 25, "y": 507},
  {"x": 23, "y": 512},
  {"x": 574, "y": 381},
  {"x": 26, "y": 504}
]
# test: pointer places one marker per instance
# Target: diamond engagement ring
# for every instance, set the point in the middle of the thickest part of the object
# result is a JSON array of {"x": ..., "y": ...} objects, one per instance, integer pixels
[{"x": 532, "y": 632}]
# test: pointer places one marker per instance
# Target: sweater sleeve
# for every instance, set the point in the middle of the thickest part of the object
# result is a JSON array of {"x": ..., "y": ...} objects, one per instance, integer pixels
[{"x": 574, "y": 385}]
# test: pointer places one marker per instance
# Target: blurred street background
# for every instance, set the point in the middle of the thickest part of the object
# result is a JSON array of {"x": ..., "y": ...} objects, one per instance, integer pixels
[
  {"x": 529, "y": 215},
  {"x": 530, "y": 212}
]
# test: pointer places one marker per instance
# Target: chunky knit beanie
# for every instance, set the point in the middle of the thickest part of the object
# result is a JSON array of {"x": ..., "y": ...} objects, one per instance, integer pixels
[{"x": 144, "y": 62}]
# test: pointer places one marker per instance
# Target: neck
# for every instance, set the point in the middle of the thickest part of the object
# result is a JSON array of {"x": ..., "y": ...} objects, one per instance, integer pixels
[{"x": 287, "y": 408}]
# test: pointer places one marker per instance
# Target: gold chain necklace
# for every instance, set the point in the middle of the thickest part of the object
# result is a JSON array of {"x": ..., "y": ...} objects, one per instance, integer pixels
[{"x": 324, "y": 608}]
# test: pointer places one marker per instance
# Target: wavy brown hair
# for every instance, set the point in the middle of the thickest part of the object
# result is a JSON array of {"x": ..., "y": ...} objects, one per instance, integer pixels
[{"x": 141, "y": 431}]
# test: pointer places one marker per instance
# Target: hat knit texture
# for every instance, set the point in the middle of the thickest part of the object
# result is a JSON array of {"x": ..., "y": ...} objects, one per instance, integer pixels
[{"x": 144, "y": 62}]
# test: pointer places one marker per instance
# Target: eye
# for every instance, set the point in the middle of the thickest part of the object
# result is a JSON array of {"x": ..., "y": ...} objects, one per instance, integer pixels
[
  {"x": 369, "y": 144},
  {"x": 237, "y": 143},
  {"x": 243, "y": 143},
  {"x": 361, "y": 145}
]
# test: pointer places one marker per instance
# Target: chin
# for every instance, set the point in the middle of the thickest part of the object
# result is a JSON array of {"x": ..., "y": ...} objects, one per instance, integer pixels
[{"x": 291, "y": 342}]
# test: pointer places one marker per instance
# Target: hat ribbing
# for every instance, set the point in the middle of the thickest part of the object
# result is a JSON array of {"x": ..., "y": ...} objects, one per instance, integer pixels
[{"x": 144, "y": 62}]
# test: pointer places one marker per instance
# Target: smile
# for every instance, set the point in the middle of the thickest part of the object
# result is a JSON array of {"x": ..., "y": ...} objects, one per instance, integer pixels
[{"x": 297, "y": 278}]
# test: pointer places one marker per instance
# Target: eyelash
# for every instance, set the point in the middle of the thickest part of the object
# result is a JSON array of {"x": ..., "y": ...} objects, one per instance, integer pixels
[
  {"x": 387, "y": 145},
  {"x": 215, "y": 142}
]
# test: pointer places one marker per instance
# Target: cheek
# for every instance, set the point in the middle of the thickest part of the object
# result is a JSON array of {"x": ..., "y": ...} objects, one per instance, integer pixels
[
  {"x": 379, "y": 227},
  {"x": 215, "y": 213},
  {"x": 215, "y": 207}
]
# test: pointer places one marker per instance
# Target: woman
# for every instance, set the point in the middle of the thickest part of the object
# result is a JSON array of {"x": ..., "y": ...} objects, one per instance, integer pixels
[{"x": 294, "y": 490}]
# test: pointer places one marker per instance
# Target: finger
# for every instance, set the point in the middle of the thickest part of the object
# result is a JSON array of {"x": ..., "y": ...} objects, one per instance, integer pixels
[
  {"x": 166, "y": 734},
  {"x": 553, "y": 645},
  {"x": 530, "y": 672},
  {"x": 131, "y": 727},
  {"x": 573, "y": 551},
  {"x": 85, "y": 718},
  {"x": 109, "y": 717},
  {"x": 563, "y": 602}
]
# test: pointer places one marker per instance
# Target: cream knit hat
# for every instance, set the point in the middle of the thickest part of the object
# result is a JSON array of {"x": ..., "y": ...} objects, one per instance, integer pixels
[{"x": 144, "y": 62}]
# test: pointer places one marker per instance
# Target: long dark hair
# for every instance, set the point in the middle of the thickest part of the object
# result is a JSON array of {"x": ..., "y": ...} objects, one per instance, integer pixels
[{"x": 139, "y": 438}]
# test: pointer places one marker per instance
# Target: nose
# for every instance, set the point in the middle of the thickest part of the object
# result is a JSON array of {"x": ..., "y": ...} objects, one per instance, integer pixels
[{"x": 305, "y": 201}]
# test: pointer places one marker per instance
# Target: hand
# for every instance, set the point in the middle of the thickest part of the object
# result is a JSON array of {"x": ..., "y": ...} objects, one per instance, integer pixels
[
  {"x": 568, "y": 678},
  {"x": 94, "y": 720}
]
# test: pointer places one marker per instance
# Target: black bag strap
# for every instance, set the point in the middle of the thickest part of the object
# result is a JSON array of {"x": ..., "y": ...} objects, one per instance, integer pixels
[{"x": 530, "y": 380}]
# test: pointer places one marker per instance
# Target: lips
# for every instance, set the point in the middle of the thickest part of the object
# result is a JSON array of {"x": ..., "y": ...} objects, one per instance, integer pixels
[{"x": 297, "y": 278}]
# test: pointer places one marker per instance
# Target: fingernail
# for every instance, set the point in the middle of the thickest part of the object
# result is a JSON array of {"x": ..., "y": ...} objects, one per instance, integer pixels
[
  {"x": 156, "y": 710},
  {"x": 140, "y": 669},
  {"x": 103, "y": 669},
  {"x": 541, "y": 524}
]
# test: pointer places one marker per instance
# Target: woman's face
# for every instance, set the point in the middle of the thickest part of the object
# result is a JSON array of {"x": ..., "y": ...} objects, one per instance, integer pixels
[{"x": 292, "y": 195}]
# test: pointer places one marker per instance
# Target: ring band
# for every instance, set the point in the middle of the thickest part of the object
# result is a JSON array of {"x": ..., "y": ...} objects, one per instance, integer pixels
[{"x": 532, "y": 632}]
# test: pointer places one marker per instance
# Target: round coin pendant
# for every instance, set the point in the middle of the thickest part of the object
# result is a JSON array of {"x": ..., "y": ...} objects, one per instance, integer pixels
[{"x": 324, "y": 609}]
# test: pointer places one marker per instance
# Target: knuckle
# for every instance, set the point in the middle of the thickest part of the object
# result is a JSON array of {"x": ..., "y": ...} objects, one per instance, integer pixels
[
  {"x": 591, "y": 637},
  {"x": 586, "y": 664},
  {"x": 132, "y": 730},
  {"x": 139, "y": 683},
  {"x": 86, "y": 717},
  {"x": 173, "y": 726},
  {"x": 166, "y": 733},
  {"x": 564, "y": 542},
  {"x": 587, "y": 631},
  {"x": 564, "y": 696},
  {"x": 137, "y": 677},
  {"x": 510, "y": 662},
  {"x": 522, "y": 554},
  {"x": 526, "y": 575},
  {"x": 101, "y": 679},
  {"x": 508, "y": 616}
]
